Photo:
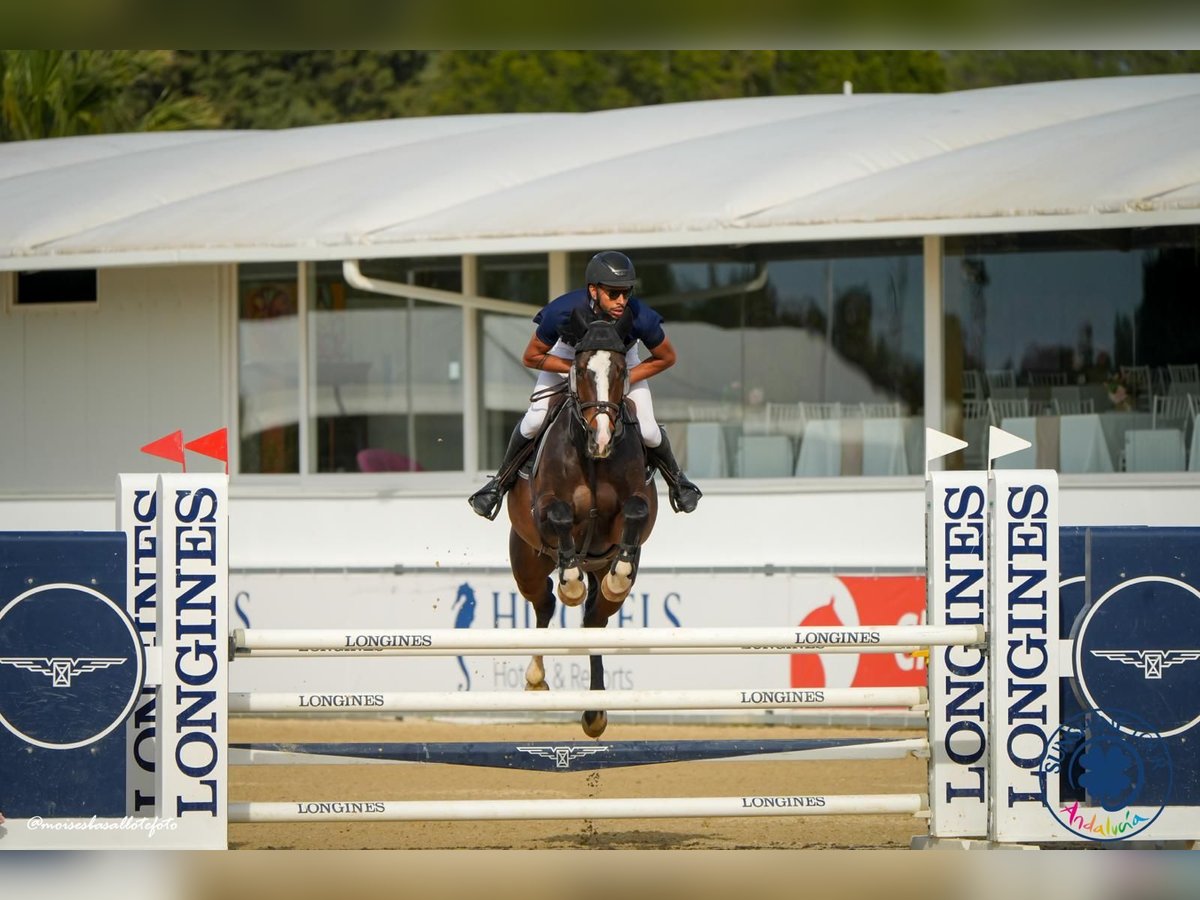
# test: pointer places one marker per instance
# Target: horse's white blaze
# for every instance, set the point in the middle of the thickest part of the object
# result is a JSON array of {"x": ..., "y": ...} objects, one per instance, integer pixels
[{"x": 599, "y": 365}]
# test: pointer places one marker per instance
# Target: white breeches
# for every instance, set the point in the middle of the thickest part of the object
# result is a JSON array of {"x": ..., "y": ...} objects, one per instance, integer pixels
[{"x": 639, "y": 394}]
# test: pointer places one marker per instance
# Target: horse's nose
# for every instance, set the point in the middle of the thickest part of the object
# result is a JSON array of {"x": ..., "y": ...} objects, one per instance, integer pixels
[{"x": 600, "y": 447}]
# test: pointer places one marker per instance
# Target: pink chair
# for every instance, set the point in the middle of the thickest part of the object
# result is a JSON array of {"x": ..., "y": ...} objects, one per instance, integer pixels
[{"x": 380, "y": 459}]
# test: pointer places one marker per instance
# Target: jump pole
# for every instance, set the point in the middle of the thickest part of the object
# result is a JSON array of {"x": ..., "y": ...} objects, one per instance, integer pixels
[
  {"x": 607, "y": 808},
  {"x": 567, "y": 701}
]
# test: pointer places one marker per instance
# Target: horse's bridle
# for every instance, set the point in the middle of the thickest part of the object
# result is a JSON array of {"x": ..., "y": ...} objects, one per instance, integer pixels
[{"x": 608, "y": 408}]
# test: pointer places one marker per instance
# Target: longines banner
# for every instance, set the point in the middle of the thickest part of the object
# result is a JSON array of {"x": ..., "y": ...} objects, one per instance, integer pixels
[{"x": 659, "y": 601}]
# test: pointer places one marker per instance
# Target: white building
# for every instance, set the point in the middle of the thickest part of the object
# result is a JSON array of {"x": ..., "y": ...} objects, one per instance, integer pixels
[{"x": 322, "y": 291}]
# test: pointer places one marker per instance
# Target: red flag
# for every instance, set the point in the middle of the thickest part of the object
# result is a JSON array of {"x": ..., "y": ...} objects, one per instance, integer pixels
[
  {"x": 168, "y": 447},
  {"x": 214, "y": 445}
]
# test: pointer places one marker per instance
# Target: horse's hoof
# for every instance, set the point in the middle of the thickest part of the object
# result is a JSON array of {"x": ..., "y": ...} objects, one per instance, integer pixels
[
  {"x": 540, "y": 686},
  {"x": 615, "y": 589},
  {"x": 594, "y": 723},
  {"x": 571, "y": 593}
]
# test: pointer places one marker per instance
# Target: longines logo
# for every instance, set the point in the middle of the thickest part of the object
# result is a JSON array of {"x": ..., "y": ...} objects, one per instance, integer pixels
[
  {"x": 563, "y": 754},
  {"x": 71, "y": 666},
  {"x": 60, "y": 671},
  {"x": 1151, "y": 662}
]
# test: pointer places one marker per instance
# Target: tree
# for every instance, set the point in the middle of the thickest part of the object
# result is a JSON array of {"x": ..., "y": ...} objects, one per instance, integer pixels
[
  {"x": 58, "y": 93},
  {"x": 286, "y": 89},
  {"x": 480, "y": 81}
]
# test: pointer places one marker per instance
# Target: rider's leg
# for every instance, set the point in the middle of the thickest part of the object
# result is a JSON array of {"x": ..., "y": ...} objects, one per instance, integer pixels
[
  {"x": 683, "y": 494},
  {"x": 486, "y": 500}
]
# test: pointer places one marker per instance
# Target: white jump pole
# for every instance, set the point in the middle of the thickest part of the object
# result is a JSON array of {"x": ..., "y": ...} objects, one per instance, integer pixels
[
  {"x": 374, "y": 652},
  {"x": 573, "y": 701},
  {"x": 461, "y": 641},
  {"x": 593, "y": 808}
]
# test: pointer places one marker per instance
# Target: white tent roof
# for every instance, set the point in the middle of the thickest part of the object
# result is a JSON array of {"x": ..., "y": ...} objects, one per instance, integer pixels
[{"x": 1073, "y": 154}]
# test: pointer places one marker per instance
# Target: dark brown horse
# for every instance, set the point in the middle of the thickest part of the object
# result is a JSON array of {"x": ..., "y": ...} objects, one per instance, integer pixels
[{"x": 587, "y": 507}]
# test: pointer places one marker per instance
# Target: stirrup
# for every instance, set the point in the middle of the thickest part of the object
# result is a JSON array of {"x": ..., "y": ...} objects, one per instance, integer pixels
[
  {"x": 674, "y": 491},
  {"x": 492, "y": 510}
]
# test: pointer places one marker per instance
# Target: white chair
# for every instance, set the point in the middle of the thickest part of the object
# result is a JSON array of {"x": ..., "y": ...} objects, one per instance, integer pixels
[
  {"x": 972, "y": 385},
  {"x": 999, "y": 410},
  {"x": 810, "y": 411},
  {"x": 1047, "y": 379},
  {"x": 879, "y": 410},
  {"x": 1072, "y": 407},
  {"x": 1185, "y": 374},
  {"x": 1154, "y": 450},
  {"x": 706, "y": 454},
  {"x": 1000, "y": 378},
  {"x": 714, "y": 412},
  {"x": 1174, "y": 410},
  {"x": 975, "y": 409},
  {"x": 764, "y": 456},
  {"x": 785, "y": 418}
]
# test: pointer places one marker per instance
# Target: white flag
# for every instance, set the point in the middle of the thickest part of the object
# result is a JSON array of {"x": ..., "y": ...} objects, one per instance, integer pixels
[
  {"x": 1001, "y": 443},
  {"x": 938, "y": 445}
]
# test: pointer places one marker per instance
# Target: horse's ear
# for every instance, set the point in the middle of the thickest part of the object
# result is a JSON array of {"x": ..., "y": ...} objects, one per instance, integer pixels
[
  {"x": 581, "y": 318},
  {"x": 625, "y": 324}
]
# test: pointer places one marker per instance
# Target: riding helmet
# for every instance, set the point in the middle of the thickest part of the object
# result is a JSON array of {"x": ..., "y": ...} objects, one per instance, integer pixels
[{"x": 612, "y": 268}]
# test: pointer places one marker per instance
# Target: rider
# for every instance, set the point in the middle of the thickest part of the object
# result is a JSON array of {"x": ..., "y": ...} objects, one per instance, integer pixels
[{"x": 610, "y": 278}]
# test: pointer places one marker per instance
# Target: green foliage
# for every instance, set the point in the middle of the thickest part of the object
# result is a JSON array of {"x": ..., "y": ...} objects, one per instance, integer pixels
[
  {"x": 287, "y": 89},
  {"x": 480, "y": 81},
  {"x": 57, "y": 93},
  {"x": 987, "y": 68},
  {"x": 48, "y": 93}
]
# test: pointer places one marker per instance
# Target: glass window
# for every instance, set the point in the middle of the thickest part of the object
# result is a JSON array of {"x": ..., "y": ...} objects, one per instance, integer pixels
[
  {"x": 268, "y": 368},
  {"x": 507, "y": 384},
  {"x": 386, "y": 371},
  {"x": 1087, "y": 344},
  {"x": 793, "y": 359}
]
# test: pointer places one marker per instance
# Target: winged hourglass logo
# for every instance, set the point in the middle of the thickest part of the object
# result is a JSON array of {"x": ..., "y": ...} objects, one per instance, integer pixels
[
  {"x": 1151, "y": 662},
  {"x": 60, "y": 670},
  {"x": 563, "y": 754}
]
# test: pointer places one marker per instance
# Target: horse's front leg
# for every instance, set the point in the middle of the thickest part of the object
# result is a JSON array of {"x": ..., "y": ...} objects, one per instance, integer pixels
[
  {"x": 617, "y": 583},
  {"x": 531, "y": 571},
  {"x": 571, "y": 585},
  {"x": 596, "y": 615}
]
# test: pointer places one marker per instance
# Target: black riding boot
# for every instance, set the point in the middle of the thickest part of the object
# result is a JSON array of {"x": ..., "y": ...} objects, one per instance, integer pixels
[
  {"x": 486, "y": 500},
  {"x": 684, "y": 494}
]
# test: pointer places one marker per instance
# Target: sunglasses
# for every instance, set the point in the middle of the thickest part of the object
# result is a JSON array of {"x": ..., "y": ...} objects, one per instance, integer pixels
[{"x": 615, "y": 292}]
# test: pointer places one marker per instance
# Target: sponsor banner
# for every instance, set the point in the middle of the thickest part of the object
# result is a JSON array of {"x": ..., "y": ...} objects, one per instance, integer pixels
[
  {"x": 137, "y": 508},
  {"x": 956, "y": 538},
  {"x": 415, "y": 601},
  {"x": 193, "y": 624},
  {"x": 1024, "y": 633}
]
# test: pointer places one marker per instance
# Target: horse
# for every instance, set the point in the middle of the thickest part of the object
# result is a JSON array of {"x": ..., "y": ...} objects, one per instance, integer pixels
[{"x": 587, "y": 506}]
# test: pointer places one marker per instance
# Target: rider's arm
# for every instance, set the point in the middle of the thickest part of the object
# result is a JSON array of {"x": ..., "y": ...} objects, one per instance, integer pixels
[
  {"x": 537, "y": 356},
  {"x": 662, "y": 357}
]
